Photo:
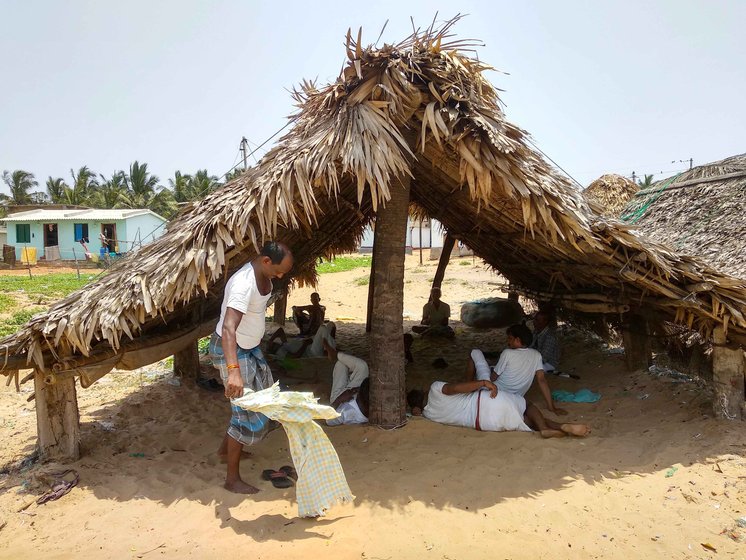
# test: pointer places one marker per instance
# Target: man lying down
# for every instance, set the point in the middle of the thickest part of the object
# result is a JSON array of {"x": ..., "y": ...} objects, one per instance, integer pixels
[{"x": 480, "y": 405}]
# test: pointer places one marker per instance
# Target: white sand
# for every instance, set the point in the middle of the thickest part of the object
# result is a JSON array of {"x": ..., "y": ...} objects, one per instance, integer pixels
[{"x": 424, "y": 491}]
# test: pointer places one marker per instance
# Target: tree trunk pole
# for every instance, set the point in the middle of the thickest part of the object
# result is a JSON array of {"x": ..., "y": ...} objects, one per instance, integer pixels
[
  {"x": 186, "y": 361},
  {"x": 281, "y": 308},
  {"x": 387, "y": 400},
  {"x": 371, "y": 284},
  {"x": 637, "y": 351},
  {"x": 727, "y": 378},
  {"x": 57, "y": 418},
  {"x": 445, "y": 257}
]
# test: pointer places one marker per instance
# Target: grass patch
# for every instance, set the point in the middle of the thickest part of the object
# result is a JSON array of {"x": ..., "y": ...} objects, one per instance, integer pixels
[
  {"x": 341, "y": 264},
  {"x": 50, "y": 285},
  {"x": 7, "y": 303},
  {"x": 18, "y": 319},
  {"x": 464, "y": 263},
  {"x": 362, "y": 281}
]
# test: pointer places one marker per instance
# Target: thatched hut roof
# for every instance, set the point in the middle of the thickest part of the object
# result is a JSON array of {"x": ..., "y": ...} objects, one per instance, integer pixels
[
  {"x": 611, "y": 192},
  {"x": 700, "y": 212},
  {"x": 421, "y": 108}
]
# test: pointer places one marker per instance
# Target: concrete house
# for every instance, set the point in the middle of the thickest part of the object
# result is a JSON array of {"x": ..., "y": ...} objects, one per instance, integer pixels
[{"x": 57, "y": 234}]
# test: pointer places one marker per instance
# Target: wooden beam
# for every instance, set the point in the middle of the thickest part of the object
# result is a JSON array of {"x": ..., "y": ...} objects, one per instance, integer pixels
[
  {"x": 57, "y": 418},
  {"x": 281, "y": 308},
  {"x": 371, "y": 285},
  {"x": 445, "y": 257}
]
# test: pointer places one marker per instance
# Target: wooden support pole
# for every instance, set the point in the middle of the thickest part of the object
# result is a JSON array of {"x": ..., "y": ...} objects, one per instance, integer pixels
[
  {"x": 387, "y": 400},
  {"x": 637, "y": 350},
  {"x": 57, "y": 418},
  {"x": 281, "y": 308},
  {"x": 371, "y": 284},
  {"x": 727, "y": 378},
  {"x": 445, "y": 257},
  {"x": 186, "y": 361}
]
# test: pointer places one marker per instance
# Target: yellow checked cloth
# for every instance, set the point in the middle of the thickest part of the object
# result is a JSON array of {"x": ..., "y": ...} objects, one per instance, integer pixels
[{"x": 321, "y": 480}]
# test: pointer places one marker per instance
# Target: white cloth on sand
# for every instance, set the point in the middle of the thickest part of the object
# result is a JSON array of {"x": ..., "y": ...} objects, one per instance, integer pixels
[{"x": 349, "y": 413}]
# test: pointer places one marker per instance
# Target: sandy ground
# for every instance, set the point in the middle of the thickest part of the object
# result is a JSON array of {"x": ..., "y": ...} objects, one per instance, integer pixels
[{"x": 658, "y": 477}]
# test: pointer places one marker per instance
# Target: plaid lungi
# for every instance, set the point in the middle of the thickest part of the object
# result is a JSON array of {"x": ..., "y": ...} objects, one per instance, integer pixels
[{"x": 246, "y": 426}]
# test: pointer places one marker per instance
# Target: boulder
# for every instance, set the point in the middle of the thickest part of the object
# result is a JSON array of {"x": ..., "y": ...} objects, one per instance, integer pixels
[{"x": 491, "y": 313}]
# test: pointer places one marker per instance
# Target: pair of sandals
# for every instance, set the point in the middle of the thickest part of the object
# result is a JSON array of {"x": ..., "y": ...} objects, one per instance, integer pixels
[{"x": 284, "y": 477}]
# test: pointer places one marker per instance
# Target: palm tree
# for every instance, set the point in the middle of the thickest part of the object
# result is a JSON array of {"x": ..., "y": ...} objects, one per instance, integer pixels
[
  {"x": 110, "y": 192},
  {"x": 648, "y": 182},
  {"x": 56, "y": 189},
  {"x": 181, "y": 187},
  {"x": 202, "y": 184},
  {"x": 83, "y": 187},
  {"x": 143, "y": 191},
  {"x": 19, "y": 183}
]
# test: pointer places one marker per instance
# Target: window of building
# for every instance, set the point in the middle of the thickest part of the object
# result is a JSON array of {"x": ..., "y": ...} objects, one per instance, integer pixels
[
  {"x": 81, "y": 232},
  {"x": 23, "y": 233}
]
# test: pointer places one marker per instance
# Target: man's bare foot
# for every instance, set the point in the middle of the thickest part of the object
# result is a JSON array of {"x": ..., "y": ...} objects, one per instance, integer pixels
[
  {"x": 240, "y": 487},
  {"x": 579, "y": 430},
  {"x": 224, "y": 456},
  {"x": 546, "y": 434}
]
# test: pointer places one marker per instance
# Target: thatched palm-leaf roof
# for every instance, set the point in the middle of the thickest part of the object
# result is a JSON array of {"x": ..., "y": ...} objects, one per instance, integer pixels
[
  {"x": 611, "y": 192},
  {"x": 699, "y": 212},
  {"x": 422, "y": 108}
]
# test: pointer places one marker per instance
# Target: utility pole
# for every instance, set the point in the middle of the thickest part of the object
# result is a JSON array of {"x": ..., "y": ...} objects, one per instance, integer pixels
[
  {"x": 244, "y": 151},
  {"x": 690, "y": 161}
]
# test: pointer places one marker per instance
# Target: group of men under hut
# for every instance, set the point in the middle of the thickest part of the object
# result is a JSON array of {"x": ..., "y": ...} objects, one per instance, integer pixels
[{"x": 489, "y": 398}]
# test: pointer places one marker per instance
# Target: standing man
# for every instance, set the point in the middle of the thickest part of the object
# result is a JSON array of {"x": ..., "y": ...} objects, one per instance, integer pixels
[{"x": 235, "y": 351}]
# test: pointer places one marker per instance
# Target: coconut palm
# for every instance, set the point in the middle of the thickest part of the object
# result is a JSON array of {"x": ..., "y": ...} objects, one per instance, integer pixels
[
  {"x": 647, "y": 182},
  {"x": 110, "y": 192},
  {"x": 202, "y": 184},
  {"x": 56, "y": 189},
  {"x": 181, "y": 187},
  {"x": 19, "y": 183},
  {"x": 143, "y": 191},
  {"x": 83, "y": 186}
]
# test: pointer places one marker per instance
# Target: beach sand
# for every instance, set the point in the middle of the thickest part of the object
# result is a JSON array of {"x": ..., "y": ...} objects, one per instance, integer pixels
[{"x": 659, "y": 477}]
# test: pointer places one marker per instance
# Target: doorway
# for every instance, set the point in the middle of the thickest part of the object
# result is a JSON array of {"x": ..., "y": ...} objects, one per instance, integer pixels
[
  {"x": 51, "y": 238},
  {"x": 109, "y": 237}
]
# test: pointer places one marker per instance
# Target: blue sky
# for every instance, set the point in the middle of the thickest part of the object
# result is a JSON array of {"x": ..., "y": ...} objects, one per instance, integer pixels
[{"x": 601, "y": 86}]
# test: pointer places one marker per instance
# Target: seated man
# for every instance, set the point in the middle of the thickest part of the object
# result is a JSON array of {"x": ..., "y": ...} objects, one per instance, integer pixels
[
  {"x": 545, "y": 341},
  {"x": 309, "y": 347},
  {"x": 481, "y": 405},
  {"x": 354, "y": 405},
  {"x": 309, "y": 318},
  {"x": 516, "y": 369},
  {"x": 435, "y": 316}
]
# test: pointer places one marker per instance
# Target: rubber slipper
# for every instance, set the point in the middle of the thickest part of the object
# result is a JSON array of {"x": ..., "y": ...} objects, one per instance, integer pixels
[
  {"x": 278, "y": 478},
  {"x": 290, "y": 472},
  {"x": 60, "y": 487}
]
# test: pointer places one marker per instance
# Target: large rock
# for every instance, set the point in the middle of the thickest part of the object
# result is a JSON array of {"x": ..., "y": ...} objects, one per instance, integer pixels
[{"x": 491, "y": 313}]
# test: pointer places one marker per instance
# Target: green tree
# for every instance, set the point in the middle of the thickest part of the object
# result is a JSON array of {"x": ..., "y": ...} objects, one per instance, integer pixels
[
  {"x": 181, "y": 187},
  {"x": 110, "y": 192},
  {"x": 647, "y": 182},
  {"x": 143, "y": 191},
  {"x": 83, "y": 187},
  {"x": 56, "y": 189},
  {"x": 19, "y": 183}
]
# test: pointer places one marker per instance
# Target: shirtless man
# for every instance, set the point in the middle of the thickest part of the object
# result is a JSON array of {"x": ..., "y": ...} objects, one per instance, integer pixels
[{"x": 309, "y": 318}]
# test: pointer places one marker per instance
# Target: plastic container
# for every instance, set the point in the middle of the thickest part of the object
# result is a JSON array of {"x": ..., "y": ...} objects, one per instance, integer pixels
[{"x": 28, "y": 255}]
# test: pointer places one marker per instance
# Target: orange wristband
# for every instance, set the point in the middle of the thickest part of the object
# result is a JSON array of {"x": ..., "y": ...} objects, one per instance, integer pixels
[{"x": 233, "y": 366}]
